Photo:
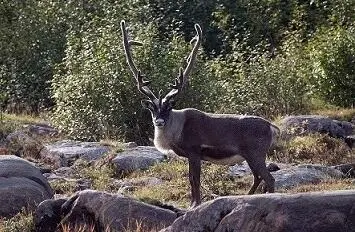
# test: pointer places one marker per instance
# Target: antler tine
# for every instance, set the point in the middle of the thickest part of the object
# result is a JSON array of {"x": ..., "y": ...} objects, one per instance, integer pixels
[
  {"x": 127, "y": 44},
  {"x": 176, "y": 86},
  {"x": 143, "y": 86},
  {"x": 192, "y": 57},
  {"x": 181, "y": 81}
]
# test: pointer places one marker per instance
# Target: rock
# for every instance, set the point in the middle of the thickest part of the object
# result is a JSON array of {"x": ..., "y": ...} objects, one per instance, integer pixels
[
  {"x": 42, "y": 130},
  {"x": 48, "y": 215},
  {"x": 304, "y": 174},
  {"x": 306, "y": 212},
  {"x": 305, "y": 124},
  {"x": 347, "y": 169},
  {"x": 106, "y": 212},
  {"x": 21, "y": 144},
  {"x": 21, "y": 186},
  {"x": 243, "y": 169},
  {"x": 64, "y": 153},
  {"x": 141, "y": 157},
  {"x": 350, "y": 141}
]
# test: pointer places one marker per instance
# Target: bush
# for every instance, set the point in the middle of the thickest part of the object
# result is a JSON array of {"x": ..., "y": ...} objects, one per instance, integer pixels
[
  {"x": 333, "y": 60},
  {"x": 262, "y": 85},
  {"x": 31, "y": 43}
]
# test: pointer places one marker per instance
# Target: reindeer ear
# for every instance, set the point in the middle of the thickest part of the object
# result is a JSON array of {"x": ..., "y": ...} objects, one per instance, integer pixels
[{"x": 147, "y": 105}]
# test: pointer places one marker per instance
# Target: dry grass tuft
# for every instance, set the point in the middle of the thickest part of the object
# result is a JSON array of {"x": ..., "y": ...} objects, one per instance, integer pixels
[{"x": 313, "y": 148}]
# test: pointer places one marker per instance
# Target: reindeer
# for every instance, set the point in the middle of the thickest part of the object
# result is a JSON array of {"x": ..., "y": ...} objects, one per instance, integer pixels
[{"x": 219, "y": 138}]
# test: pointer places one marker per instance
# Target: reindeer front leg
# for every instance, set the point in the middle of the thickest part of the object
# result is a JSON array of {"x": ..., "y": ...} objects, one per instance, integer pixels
[
  {"x": 194, "y": 172},
  {"x": 194, "y": 177}
]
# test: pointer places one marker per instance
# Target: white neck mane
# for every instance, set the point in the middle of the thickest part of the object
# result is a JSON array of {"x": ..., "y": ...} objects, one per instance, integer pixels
[{"x": 170, "y": 132}]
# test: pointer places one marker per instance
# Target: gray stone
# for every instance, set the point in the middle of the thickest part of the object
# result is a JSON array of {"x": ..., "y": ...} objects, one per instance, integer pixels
[
  {"x": 304, "y": 174},
  {"x": 22, "y": 185},
  {"x": 141, "y": 157},
  {"x": 305, "y": 124},
  {"x": 42, "y": 130},
  {"x": 243, "y": 169},
  {"x": 106, "y": 211},
  {"x": 48, "y": 215},
  {"x": 306, "y": 212},
  {"x": 347, "y": 169},
  {"x": 64, "y": 153}
]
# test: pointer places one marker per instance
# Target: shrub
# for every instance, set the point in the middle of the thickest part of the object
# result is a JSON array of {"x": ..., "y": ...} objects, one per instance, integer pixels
[
  {"x": 262, "y": 85},
  {"x": 332, "y": 54}
]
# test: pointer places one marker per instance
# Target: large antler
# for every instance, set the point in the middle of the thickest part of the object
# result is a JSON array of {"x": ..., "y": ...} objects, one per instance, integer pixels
[
  {"x": 181, "y": 80},
  {"x": 127, "y": 44}
]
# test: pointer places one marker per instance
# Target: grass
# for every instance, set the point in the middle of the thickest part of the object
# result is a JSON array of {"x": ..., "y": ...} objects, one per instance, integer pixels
[
  {"x": 22, "y": 222},
  {"x": 326, "y": 185},
  {"x": 313, "y": 148},
  {"x": 321, "y": 108},
  {"x": 100, "y": 176},
  {"x": 215, "y": 181}
]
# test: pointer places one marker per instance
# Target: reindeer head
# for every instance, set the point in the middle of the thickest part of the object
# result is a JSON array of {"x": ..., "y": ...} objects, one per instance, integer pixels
[{"x": 160, "y": 107}]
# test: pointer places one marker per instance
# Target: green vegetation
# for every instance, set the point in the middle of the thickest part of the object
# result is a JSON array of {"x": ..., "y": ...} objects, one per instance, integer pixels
[
  {"x": 314, "y": 148},
  {"x": 22, "y": 222},
  {"x": 261, "y": 57}
]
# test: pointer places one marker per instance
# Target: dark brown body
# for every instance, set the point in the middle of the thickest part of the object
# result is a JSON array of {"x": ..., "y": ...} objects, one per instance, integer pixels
[{"x": 219, "y": 138}]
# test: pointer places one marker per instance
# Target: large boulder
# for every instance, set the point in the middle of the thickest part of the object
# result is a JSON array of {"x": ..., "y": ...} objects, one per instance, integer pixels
[
  {"x": 304, "y": 174},
  {"x": 21, "y": 186},
  {"x": 104, "y": 211},
  {"x": 288, "y": 176},
  {"x": 306, "y": 212},
  {"x": 305, "y": 124},
  {"x": 140, "y": 157}
]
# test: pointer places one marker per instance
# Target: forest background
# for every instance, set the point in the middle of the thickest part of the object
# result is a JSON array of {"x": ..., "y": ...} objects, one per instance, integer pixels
[{"x": 263, "y": 57}]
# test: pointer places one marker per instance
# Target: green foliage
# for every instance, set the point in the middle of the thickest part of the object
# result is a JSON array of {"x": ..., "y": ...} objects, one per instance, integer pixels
[
  {"x": 31, "y": 42},
  {"x": 333, "y": 57},
  {"x": 263, "y": 85}
]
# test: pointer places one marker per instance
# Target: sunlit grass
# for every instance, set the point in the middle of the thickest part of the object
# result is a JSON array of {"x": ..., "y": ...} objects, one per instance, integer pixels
[
  {"x": 324, "y": 185},
  {"x": 21, "y": 222}
]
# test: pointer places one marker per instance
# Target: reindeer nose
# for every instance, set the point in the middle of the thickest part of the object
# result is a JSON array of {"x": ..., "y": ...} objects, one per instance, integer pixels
[{"x": 159, "y": 122}]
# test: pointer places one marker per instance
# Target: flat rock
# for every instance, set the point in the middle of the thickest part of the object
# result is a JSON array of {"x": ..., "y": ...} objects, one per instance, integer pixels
[
  {"x": 306, "y": 212},
  {"x": 22, "y": 185},
  {"x": 305, "y": 124},
  {"x": 64, "y": 153},
  {"x": 304, "y": 174},
  {"x": 140, "y": 157}
]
